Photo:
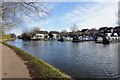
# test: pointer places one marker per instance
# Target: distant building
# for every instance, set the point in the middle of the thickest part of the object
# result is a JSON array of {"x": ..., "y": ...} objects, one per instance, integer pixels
[
  {"x": 79, "y": 33},
  {"x": 63, "y": 34},
  {"x": 116, "y": 30},
  {"x": 41, "y": 35},
  {"x": 102, "y": 30},
  {"x": 54, "y": 33},
  {"x": 71, "y": 34},
  {"x": 84, "y": 31},
  {"x": 110, "y": 32},
  {"x": 92, "y": 32}
]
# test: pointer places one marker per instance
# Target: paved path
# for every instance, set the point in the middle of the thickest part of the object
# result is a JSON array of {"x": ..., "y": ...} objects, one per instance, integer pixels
[{"x": 12, "y": 65}]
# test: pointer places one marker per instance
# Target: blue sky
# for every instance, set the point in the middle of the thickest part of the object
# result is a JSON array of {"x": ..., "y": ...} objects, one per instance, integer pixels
[{"x": 84, "y": 14}]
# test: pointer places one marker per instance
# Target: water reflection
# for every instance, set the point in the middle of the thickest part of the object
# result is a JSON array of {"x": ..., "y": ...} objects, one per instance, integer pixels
[{"x": 80, "y": 60}]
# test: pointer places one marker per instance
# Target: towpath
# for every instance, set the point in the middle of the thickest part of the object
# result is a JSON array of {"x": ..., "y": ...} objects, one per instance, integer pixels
[{"x": 12, "y": 65}]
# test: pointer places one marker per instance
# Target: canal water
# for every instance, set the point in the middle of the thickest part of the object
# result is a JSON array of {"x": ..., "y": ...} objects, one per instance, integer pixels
[{"x": 79, "y": 60}]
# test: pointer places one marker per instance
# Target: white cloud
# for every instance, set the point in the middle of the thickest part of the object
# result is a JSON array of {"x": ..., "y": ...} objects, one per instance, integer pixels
[{"x": 93, "y": 16}]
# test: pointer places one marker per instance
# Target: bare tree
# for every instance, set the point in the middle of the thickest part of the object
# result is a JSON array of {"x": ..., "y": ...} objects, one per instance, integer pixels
[
  {"x": 12, "y": 12},
  {"x": 36, "y": 29},
  {"x": 74, "y": 28},
  {"x": 63, "y": 33}
]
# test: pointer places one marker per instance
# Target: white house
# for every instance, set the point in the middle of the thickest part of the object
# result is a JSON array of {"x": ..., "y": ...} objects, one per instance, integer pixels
[
  {"x": 55, "y": 34},
  {"x": 112, "y": 33},
  {"x": 41, "y": 35}
]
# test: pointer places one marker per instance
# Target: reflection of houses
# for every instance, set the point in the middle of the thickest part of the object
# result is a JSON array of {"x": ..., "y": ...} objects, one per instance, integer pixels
[
  {"x": 41, "y": 35},
  {"x": 55, "y": 34}
]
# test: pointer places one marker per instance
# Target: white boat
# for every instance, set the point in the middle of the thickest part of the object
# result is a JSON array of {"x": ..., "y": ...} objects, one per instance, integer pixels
[{"x": 99, "y": 40}]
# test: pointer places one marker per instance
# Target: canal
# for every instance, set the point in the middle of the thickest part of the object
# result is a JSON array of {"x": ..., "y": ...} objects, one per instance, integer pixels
[{"x": 79, "y": 60}]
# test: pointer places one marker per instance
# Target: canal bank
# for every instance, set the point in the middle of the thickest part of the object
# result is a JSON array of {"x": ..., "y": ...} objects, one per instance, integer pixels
[
  {"x": 38, "y": 68},
  {"x": 79, "y": 60},
  {"x": 12, "y": 65}
]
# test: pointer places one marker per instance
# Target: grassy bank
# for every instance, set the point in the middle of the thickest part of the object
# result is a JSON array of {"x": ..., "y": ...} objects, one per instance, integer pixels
[
  {"x": 3, "y": 37},
  {"x": 38, "y": 68},
  {"x": 6, "y": 38}
]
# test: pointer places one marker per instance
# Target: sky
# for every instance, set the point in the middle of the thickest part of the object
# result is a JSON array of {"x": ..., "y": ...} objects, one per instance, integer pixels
[{"x": 64, "y": 15}]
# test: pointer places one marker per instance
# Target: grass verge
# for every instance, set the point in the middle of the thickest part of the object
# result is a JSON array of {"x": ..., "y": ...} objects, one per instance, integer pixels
[
  {"x": 4, "y": 38},
  {"x": 38, "y": 68}
]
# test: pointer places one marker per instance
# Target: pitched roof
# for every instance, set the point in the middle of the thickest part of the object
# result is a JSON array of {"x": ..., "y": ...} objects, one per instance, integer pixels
[
  {"x": 54, "y": 32},
  {"x": 109, "y": 29},
  {"x": 102, "y": 28},
  {"x": 83, "y": 30},
  {"x": 116, "y": 29},
  {"x": 42, "y": 32}
]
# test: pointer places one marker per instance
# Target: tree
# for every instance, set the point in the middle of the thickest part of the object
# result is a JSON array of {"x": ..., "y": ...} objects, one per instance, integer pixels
[
  {"x": 74, "y": 28},
  {"x": 13, "y": 35},
  {"x": 50, "y": 35},
  {"x": 36, "y": 29},
  {"x": 27, "y": 35},
  {"x": 63, "y": 33},
  {"x": 11, "y": 12}
]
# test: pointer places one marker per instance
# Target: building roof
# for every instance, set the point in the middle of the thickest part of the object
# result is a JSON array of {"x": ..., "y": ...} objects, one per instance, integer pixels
[
  {"x": 102, "y": 29},
  {"x": 93, "y": 30},
  {"x": 84, "y": 30},
  {"x": 116, "y": 29},
  {"x": 42, "y": 32},
  {"x": 54, "y": 32},
  {"x": 109, "y": 29}
]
